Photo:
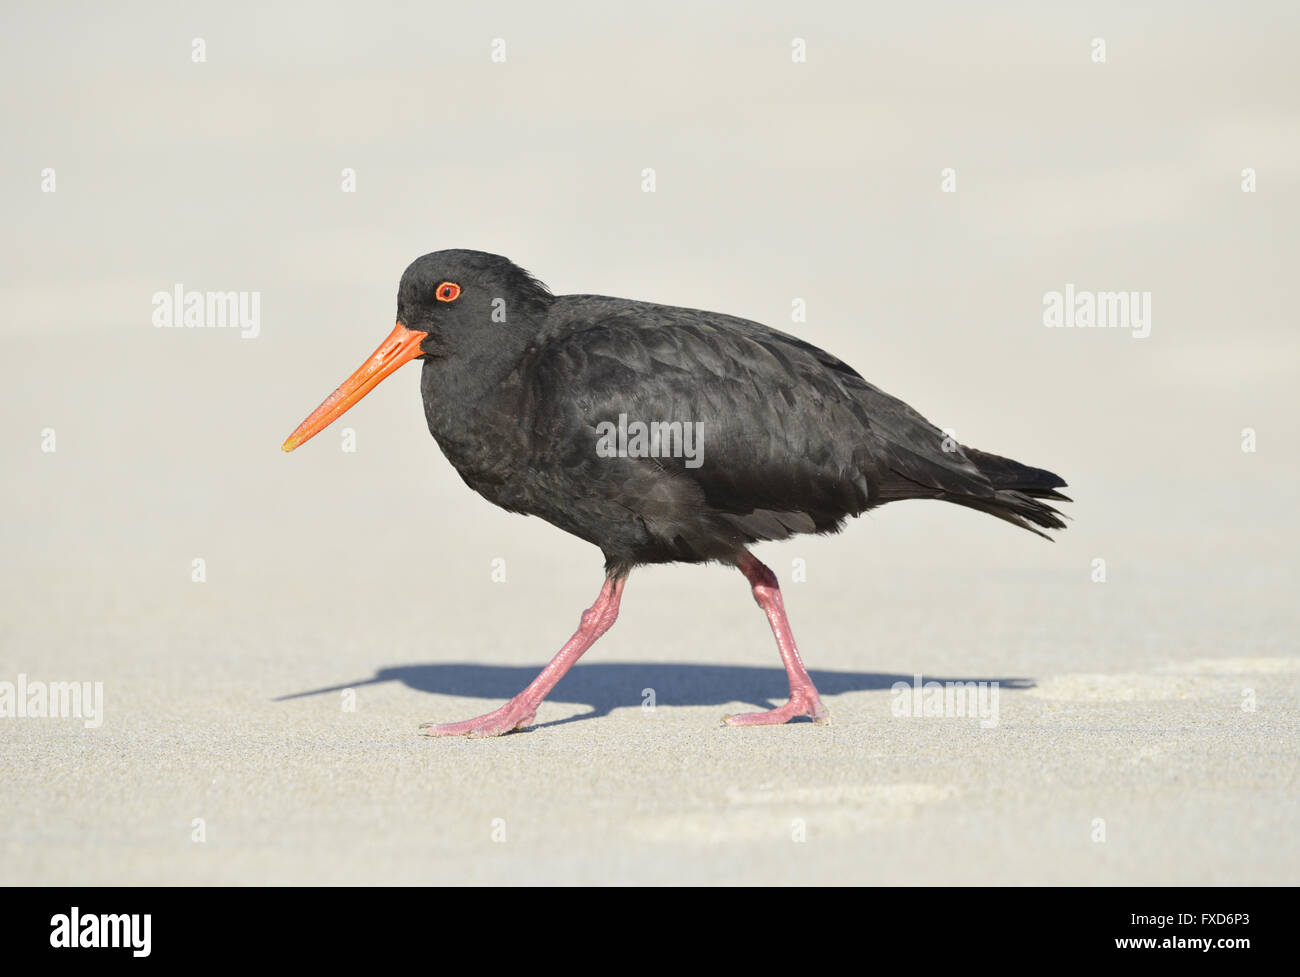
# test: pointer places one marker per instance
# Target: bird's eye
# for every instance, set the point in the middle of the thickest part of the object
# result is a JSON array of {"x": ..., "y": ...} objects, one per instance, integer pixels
[{"x": 448, "y": 292}]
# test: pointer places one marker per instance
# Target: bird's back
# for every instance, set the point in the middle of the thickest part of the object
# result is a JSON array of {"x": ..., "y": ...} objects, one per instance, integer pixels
[{"x": 793, "y": 440}]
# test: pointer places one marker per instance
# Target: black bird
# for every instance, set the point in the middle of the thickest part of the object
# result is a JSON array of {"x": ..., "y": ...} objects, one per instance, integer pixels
[{"x": 661, "y": 435}]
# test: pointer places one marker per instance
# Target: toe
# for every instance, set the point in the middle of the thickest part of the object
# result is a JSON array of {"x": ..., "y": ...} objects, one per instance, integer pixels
[{"x": 498, "y": 723}]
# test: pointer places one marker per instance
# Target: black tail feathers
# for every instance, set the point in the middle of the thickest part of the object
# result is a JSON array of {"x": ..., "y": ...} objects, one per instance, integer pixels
[{"x": 1017, "y": 491}]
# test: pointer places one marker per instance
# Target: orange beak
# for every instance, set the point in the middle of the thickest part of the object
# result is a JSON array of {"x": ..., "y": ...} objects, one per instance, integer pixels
[{"x": 401, "y": 346}]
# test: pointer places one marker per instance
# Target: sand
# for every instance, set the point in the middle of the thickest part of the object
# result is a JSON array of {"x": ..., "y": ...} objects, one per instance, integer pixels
[
  {"x": 1147, "y": 715},
  {"x": 1145, "y": 729}
]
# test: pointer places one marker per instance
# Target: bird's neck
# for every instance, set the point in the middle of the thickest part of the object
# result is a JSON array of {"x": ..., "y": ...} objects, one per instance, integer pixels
[
  {"x": 460, "y": 398},
  {"x": 479, "y": 425}
]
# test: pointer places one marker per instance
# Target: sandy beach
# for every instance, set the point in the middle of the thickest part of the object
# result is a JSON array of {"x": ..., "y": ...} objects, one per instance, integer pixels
[{"x": 268, "y": 631}]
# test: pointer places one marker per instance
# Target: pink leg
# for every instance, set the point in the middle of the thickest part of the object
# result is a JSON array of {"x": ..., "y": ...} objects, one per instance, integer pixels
[
  {"x": 519, "y": 711},
  {"x": 804, "y": 700}
]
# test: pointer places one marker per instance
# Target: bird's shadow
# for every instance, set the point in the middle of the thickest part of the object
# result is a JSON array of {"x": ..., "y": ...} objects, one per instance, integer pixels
[{"x": 605, "y": 686}]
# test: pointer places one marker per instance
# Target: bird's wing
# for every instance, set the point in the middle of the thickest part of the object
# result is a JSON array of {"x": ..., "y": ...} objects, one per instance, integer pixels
[{"x": 793, "y": 440}]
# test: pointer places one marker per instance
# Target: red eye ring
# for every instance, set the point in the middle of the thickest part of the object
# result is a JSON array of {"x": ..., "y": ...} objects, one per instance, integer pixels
[{"x": 448, "y": 292}]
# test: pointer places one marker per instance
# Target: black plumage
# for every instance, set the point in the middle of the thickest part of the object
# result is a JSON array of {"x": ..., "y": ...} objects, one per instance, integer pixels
[
  {"x": 519, "y": 384},
  {"x": 794, "y": 440}
]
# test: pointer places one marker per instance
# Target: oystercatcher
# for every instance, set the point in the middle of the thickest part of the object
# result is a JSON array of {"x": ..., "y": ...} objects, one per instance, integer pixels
[{"x": 661, "y": 435}]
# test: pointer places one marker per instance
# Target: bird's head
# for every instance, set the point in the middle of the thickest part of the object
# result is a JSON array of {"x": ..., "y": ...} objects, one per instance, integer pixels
[{"x": 451, "y": 305}]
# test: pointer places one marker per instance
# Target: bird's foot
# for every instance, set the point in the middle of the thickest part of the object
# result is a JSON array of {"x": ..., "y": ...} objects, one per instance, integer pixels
[
  {"x": 803, "y": 702},
  {"x": 515, "y": 714}
]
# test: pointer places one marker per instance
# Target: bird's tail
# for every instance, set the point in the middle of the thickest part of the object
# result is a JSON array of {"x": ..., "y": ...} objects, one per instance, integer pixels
[{"x": 1017, "y": 489}]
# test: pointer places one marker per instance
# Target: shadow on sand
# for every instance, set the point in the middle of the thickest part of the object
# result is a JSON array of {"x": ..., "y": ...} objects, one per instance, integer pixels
[{"x": 608, "y": 686}]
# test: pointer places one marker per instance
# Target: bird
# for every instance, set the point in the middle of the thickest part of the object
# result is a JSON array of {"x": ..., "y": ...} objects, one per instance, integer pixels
[{"x": 661, "y": 435}]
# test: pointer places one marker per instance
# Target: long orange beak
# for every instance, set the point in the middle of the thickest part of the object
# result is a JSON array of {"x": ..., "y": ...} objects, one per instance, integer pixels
[{"x": 401, "y": 346}]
